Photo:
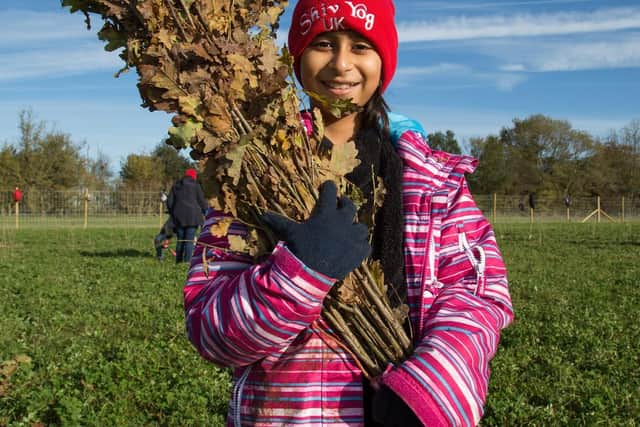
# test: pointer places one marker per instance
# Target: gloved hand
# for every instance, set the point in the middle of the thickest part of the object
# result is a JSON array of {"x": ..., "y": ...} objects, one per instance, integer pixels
[
  {"x": 389, "y": 410},
  {"x": 329, "y": 241}
]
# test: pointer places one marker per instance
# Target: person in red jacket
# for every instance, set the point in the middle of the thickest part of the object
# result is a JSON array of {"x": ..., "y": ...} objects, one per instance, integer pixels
[
  {"x": 265, "y": 319},
  {"x": 17, "y": 195}
]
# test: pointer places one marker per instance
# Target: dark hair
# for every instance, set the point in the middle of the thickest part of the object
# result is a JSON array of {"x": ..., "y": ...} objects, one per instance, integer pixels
[{"x": 374, "y": 115}]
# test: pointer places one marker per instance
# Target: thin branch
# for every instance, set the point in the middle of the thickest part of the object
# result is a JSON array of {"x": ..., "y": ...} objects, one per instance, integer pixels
[
  {"x": 369, "y": 329},
  {"x": 335, "y": 318},
  {"x": 384, "y": 310},
  {"x": 186, "y": 11},
  {"x": 362, "y": 328},
  {"x": 177, "y": 20}
]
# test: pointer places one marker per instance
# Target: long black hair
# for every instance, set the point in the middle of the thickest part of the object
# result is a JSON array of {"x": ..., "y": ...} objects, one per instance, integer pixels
[{"x": 375, "y": 115}]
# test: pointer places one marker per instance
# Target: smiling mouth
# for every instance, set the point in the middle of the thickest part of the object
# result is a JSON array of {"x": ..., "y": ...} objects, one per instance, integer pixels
[{"x": 339, "y": 88}]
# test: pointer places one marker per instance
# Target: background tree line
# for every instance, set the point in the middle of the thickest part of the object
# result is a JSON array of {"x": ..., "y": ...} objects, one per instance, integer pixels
[
  {"x": 46, "y": 159},
  {"x": 548, "y": 157},
  {"x": 537, "y": 154}
]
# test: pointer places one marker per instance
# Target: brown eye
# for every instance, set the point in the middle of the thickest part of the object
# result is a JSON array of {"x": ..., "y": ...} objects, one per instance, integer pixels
[
  {"x": 322, "y": 44},
  {"x": 361, "y": 47}
]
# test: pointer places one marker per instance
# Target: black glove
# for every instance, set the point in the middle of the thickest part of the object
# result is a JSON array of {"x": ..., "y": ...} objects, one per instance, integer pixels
[
  {"x": 389, "y": 410},
  {"x": 329, "y": 241}
]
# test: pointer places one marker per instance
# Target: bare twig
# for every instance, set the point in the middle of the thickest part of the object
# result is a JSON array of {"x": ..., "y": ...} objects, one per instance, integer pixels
[
  {"x": 375, "y": 336},
  {"x": 383, "y": 309},
  {"x": 187, "y": 13},
  {"x": 362, "y": 329},
  {"x": 337, "y": 322},
  {"x": 177, "y": 20},
  {"x": 271, "y": 177}
]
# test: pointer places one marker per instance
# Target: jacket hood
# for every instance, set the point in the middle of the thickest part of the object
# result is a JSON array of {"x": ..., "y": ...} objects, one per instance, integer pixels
[{"x": 441, "y": 166}]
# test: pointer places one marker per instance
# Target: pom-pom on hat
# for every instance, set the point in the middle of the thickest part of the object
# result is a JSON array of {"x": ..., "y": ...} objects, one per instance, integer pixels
[
  {"x": 373, "y": 19},
  {"x": 191, "y": 173}
]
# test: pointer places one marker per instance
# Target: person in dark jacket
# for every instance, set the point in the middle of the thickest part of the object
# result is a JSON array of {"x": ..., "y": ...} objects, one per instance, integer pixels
[{"x": 187, "y": 206}]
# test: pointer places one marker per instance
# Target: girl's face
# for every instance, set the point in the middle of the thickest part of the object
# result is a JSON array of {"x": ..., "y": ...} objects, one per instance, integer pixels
[{"x": 343, "y": 65}]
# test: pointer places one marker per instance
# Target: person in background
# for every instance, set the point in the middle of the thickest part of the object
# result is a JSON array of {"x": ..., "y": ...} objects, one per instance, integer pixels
[
  {"x": 17, "y": 195},
  {"x": 161, "y": 241},
  {"x": 166, "y": 233},
  {"x": 264, "y": 318},
  {"x": 186, "y": 205}
]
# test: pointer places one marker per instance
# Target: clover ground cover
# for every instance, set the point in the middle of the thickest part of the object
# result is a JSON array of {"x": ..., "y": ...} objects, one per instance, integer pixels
[{"x": 92, "y": 331}]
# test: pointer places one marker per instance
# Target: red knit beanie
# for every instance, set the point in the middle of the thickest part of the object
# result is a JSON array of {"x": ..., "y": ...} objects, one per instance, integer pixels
[
  {"x": 192, "y": 173},
  {"x": 373, "y": 19}
]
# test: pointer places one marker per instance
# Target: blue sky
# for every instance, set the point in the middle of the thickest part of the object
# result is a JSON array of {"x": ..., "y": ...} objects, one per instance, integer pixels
[{"x": 470, "y": 66}]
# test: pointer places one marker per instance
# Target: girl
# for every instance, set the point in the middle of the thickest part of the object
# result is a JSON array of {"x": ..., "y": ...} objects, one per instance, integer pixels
[{"x": 264, "y": 320}]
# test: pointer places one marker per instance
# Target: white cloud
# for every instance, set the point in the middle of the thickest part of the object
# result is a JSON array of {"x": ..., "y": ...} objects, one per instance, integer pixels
[
  {"x": 21, "y": 27},
  {"x": 589, "y": 56},
  {"x": 48, "y": 44},
  {"x": 507, "y": 82},
  {"x": 514, "y": 67},
  {"x": 441, "y": 68},
  {"x": 468, "y": 123},
  {"x": 520, "y": 25},
  {"x": 422, "y": 5},
  {"x": 407, "y": 76},
  {"x": 51, "y": 63},
  {"x": 619, "y": 50},
  {"x": 503, "y": 81}
]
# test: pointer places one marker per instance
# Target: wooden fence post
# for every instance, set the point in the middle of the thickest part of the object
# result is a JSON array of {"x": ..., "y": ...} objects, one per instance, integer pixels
[
  {"x": 86, "y": 208},
  {"x": 598, "y": 213},
  {"x": 495, "y": 207},
  {"x": 622, "y": 219}
]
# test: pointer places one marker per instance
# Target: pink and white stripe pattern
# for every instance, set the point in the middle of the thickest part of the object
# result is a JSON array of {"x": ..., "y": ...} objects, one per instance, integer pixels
[{"x": 264, "y": 320}]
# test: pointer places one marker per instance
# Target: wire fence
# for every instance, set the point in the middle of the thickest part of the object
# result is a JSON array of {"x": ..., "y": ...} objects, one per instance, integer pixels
[
  {"x": 95, "y": 209},
  {"x": 82, "y": 209},
  {"x": 501, "y": 208}
]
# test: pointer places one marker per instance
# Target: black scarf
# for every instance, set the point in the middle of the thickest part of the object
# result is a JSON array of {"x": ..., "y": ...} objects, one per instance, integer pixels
[
  {"x": 377, "y": 154},
  {"x": 380, "y": 156}
]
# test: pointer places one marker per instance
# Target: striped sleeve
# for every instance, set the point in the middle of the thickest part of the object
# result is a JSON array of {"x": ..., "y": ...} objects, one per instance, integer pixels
[
  {"x": 238, "y": 312},
  {"x": 445, "y": 381}
]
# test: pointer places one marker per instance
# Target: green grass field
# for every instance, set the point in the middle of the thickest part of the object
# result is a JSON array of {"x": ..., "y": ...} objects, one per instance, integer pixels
[{"x": 92, "y": 331}]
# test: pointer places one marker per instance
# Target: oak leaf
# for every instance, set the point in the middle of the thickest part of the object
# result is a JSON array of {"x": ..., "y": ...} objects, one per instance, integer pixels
[
  {"x": 191, "y": 105},
  {"x": 344, "y": 158},
  {"x": 237, "y": 243},
  {"x": 221, "y": 228},
  {"x": 182, "y": 136}
]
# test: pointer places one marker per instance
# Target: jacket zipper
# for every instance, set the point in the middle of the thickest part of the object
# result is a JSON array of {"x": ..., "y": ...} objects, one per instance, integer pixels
[{"x": 237, "y": 396}]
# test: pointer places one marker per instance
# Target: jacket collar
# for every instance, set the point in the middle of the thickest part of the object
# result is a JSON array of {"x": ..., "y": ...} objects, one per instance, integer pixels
[
  {"x": 439, "y": 166},
  {"x": 411, "y": 145}
]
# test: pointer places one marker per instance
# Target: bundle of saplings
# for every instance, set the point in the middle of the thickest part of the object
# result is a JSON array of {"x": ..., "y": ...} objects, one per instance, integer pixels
[{"x": 216, "y": 67}]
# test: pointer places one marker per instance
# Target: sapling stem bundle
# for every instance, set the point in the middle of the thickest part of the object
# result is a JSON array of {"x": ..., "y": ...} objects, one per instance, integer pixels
[{"x": 216, "y": 67}]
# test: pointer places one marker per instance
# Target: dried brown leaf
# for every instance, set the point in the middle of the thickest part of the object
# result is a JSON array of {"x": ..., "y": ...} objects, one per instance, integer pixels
[
  {"x": 237, "y": 243},
  {"x": 221, "y": 228},
  {"x": 191, "y": 105},
  {"x": 195, "y": 60},
  {"x": 236, "y": 156},
  {"x": 230, "y": 200},
  {"x": 344, "y": 158},
  {"x": 165, "y": 38}
]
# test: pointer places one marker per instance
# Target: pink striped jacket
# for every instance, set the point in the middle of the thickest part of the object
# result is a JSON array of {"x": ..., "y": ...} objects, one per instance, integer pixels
[{"x": 265, "y": 320}]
